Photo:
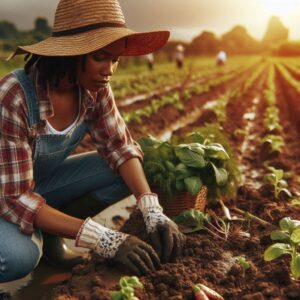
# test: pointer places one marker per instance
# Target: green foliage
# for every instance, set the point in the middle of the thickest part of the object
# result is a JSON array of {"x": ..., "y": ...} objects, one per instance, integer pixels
[
  {"x": 127, "y": 285},
  {"x": 276, "y": 142},
  {"x": 243, "y": 262},
  {"x": 275, "y": 177},
  {"x": 210, "y": 134},
  {"x": 193, "y": 219},
  {"x": 187, "y": 167},
  {"x": 289, "y": 241}
]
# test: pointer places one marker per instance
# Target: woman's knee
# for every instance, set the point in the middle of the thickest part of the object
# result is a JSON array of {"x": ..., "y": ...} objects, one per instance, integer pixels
[{"x": 19, "y": 259}]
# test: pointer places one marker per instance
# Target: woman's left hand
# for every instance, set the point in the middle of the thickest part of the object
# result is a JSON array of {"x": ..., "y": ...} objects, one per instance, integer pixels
[{"x": 164, "y": 234}]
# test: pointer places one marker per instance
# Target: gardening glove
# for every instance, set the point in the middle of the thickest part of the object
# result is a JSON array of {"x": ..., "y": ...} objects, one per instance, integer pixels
[
  {"x": 128, "y": 250},
  {"x": 165, "y": 236}
]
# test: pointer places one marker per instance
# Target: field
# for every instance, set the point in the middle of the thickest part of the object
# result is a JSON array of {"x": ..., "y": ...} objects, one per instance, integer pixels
[{"x": 254, "y": 103}]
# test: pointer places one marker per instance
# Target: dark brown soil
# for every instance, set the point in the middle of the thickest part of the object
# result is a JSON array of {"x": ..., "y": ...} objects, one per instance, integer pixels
[{"x": 207, "y": 259}]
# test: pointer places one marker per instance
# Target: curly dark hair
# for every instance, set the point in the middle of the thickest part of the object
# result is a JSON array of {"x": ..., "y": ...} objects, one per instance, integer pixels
[{"x": 53, "y": 68}]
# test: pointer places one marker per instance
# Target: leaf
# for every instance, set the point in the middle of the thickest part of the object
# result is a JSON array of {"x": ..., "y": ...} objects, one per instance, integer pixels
[
  {"x": 278, "y": 235},
  {"x": 276, "y": 250},
  {"x": 295, "y": 266},
  {"x": 289, "y": 225},
  {"x": 116, "y": 295},
  {"x": 134, "y": 282},
  {"x": 286, "y": 191},
  {"x": 182, "y": 171},
  {"x": 193, "y": 184},
  {"x": 180, "y": 185},
  {"x": 220, "y": 175},
  {"x": 215, "y": 150},
  {"x": 295, "y": 236},
  {"x": 147, "y": 142},
  {"x": 295, "y": 202},
  {"x": 166, "y": 151},
  {"x": 190, "y": 158},
  {"x": 192, "y": 218}
]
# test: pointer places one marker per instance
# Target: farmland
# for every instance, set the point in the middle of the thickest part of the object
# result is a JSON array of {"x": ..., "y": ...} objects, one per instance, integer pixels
[{"x": 254, "y": 103}]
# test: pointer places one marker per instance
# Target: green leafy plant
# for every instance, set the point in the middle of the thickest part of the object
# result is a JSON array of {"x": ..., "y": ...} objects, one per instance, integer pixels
[
  {"x": 243, "y": 262},
  {"x": 275, "y": 177},
  {"x": 289, "y": 241},
  {"x": 194, "y": 220},
  {"x": 184, "y": 167},
  {"x": 127, "y": 285},
  {"x": 275, "y": 141}
]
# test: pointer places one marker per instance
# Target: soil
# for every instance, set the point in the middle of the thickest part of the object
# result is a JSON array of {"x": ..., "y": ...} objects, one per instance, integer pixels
[{"x": 207, "y": 259}]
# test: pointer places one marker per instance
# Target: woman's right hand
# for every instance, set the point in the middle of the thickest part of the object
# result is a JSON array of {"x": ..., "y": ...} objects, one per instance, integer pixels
[{"x": 127, "y": 250}]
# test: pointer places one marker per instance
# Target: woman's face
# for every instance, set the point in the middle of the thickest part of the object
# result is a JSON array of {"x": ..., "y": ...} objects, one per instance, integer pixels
[{"x": 99, "y": 66}]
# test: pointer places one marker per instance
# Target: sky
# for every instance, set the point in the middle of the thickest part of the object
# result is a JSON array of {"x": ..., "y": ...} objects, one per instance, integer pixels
[{"x": 184, "y": 18}]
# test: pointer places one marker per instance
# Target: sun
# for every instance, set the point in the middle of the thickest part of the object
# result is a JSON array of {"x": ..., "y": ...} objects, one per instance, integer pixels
[{"x": 280, "y": 6}]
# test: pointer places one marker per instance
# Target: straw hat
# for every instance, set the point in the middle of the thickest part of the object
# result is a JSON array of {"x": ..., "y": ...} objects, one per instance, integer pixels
[{"x": 83, "y": 26}]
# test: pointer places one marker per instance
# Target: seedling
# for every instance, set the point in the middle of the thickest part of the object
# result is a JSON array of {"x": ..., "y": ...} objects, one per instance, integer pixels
[
  {"x": 243, "y": 262},
  {"x": 295, "y": 202},
  {"x": 127, "y": 285},
  {"x": 289, "y": 241},
  {"x": 275, "y": 177},
  {"x": 276, "y": 142},
  {"x": 194, "y": 220}
]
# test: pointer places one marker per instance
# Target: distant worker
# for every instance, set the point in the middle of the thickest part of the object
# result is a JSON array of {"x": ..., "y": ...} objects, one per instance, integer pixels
[
  {"x": 150, "y": 60},
  {"x": 221, "y": 58},
  {"x": 179, "y": 56}
]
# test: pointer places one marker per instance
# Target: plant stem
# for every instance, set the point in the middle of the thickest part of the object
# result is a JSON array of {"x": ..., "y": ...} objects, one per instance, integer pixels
[{"x": 253, "y": 217}]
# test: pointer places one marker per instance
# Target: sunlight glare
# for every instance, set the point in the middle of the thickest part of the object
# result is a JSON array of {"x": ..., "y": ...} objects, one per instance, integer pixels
[{"x": 280, "y": 6}]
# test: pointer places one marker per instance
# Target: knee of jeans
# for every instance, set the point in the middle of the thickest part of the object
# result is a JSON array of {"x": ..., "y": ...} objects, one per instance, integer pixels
[{"x": 18, "y": 262}]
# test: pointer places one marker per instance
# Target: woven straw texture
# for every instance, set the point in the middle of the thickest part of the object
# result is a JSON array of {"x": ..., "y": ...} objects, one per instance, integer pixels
[
  {"x": 76, "y": 15},
  {"x": 182, "y": 201}
]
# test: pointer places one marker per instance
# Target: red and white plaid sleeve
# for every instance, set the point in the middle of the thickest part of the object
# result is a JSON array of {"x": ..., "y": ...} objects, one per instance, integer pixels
[
  {"x": 109, "y": 132},
  {"x": 18, "y": 203}
]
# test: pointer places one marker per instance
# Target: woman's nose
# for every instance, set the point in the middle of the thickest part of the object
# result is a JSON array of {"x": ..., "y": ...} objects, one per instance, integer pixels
[{"x": 108, "y": 68}]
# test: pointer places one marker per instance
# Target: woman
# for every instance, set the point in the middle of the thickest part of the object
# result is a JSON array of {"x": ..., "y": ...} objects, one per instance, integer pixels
[{"x": 63, "y": 93}]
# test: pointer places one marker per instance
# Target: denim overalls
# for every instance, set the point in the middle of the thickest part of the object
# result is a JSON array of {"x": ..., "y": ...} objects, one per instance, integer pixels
[{"x": 59, "y": 179}]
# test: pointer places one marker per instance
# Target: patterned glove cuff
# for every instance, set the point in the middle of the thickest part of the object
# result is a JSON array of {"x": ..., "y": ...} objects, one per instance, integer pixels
[
  {"x": 148, "y": 201},
  {"x": 103, "y": 240}
]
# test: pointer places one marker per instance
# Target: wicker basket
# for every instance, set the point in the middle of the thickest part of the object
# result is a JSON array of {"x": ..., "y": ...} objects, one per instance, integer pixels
[{"x": 182, "y": 201}]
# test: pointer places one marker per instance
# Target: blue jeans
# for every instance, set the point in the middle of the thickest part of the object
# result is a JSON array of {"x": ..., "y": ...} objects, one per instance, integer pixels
[{"x": 76, "y": 176}]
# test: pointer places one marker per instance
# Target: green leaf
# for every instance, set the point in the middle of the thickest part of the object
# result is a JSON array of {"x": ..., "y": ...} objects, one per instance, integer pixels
[
  {"x": 276, "y": 250},
  {"x": 192, "y": 218},
  {"x": 169, "y": 165},
  {"x": 116, "y": 295},
  {"x": 193, "y": 184},
  {"x": 180, "y": 185},
  {"x": 289, "y": 225},
  {"x": 295, "y": 236},
  {"x": 181, "y": 171},
  {"x": 286, "y": 191},
  {"x": 166, "y": 151},
  {"x": 295, "y": 202},
  {"x": 220, "y": 175},
  {"x": 215, "y": 150},
  {"x": 134, "y": 282},
  {"x": 295, "y": 266},
  {"x": 278, "y": 235},
  {"x": 147, "y": 142},
  {"x": 190, "y": 158}
]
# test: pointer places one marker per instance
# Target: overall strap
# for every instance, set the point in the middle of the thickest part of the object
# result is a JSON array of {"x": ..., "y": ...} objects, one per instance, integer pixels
[{"x": 30, "y": 96}]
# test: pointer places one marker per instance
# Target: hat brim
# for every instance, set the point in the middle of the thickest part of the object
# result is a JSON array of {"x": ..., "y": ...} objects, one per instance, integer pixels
[{"x": 138, "y": 43}]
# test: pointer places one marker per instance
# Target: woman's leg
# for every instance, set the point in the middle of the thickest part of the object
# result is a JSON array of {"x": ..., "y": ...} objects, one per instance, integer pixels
[
  {"x": 81, "y": 174},
  {"x": 19, "y": 253}
]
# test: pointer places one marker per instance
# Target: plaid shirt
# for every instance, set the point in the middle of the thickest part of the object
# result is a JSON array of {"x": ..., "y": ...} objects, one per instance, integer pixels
[{"x": 19, "y": 204}]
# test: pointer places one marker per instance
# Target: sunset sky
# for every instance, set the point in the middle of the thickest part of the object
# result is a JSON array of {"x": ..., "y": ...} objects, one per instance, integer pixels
[{"x": 185, "y": 19}]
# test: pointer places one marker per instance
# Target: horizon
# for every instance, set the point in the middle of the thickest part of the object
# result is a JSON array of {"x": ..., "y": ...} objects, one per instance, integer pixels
[{"x": 194, "y": 18}]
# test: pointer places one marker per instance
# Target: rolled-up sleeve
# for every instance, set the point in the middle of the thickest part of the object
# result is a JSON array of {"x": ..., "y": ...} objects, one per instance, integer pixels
[
  {"x": 18, "y": 203},
  {"x": 110, "y": 133}
]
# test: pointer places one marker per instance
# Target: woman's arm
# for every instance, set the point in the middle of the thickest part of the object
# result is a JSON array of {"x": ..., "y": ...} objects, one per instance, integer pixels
[
  {"x": 133, "y": 174},
  {"x": 54, "y": 221}
]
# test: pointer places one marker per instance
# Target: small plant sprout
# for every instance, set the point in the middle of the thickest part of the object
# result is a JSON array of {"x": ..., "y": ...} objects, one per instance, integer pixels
[
  {"x": 275, "y": 177},
  {"x": 289, "y": 241},
  {"x": 295, "y": 202},
  {"x": 243, "y": 262},
  {"x": 194, "y": 220},
  {"x": 127, "y": 285},
  {"x": 203, "y": 292}
]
